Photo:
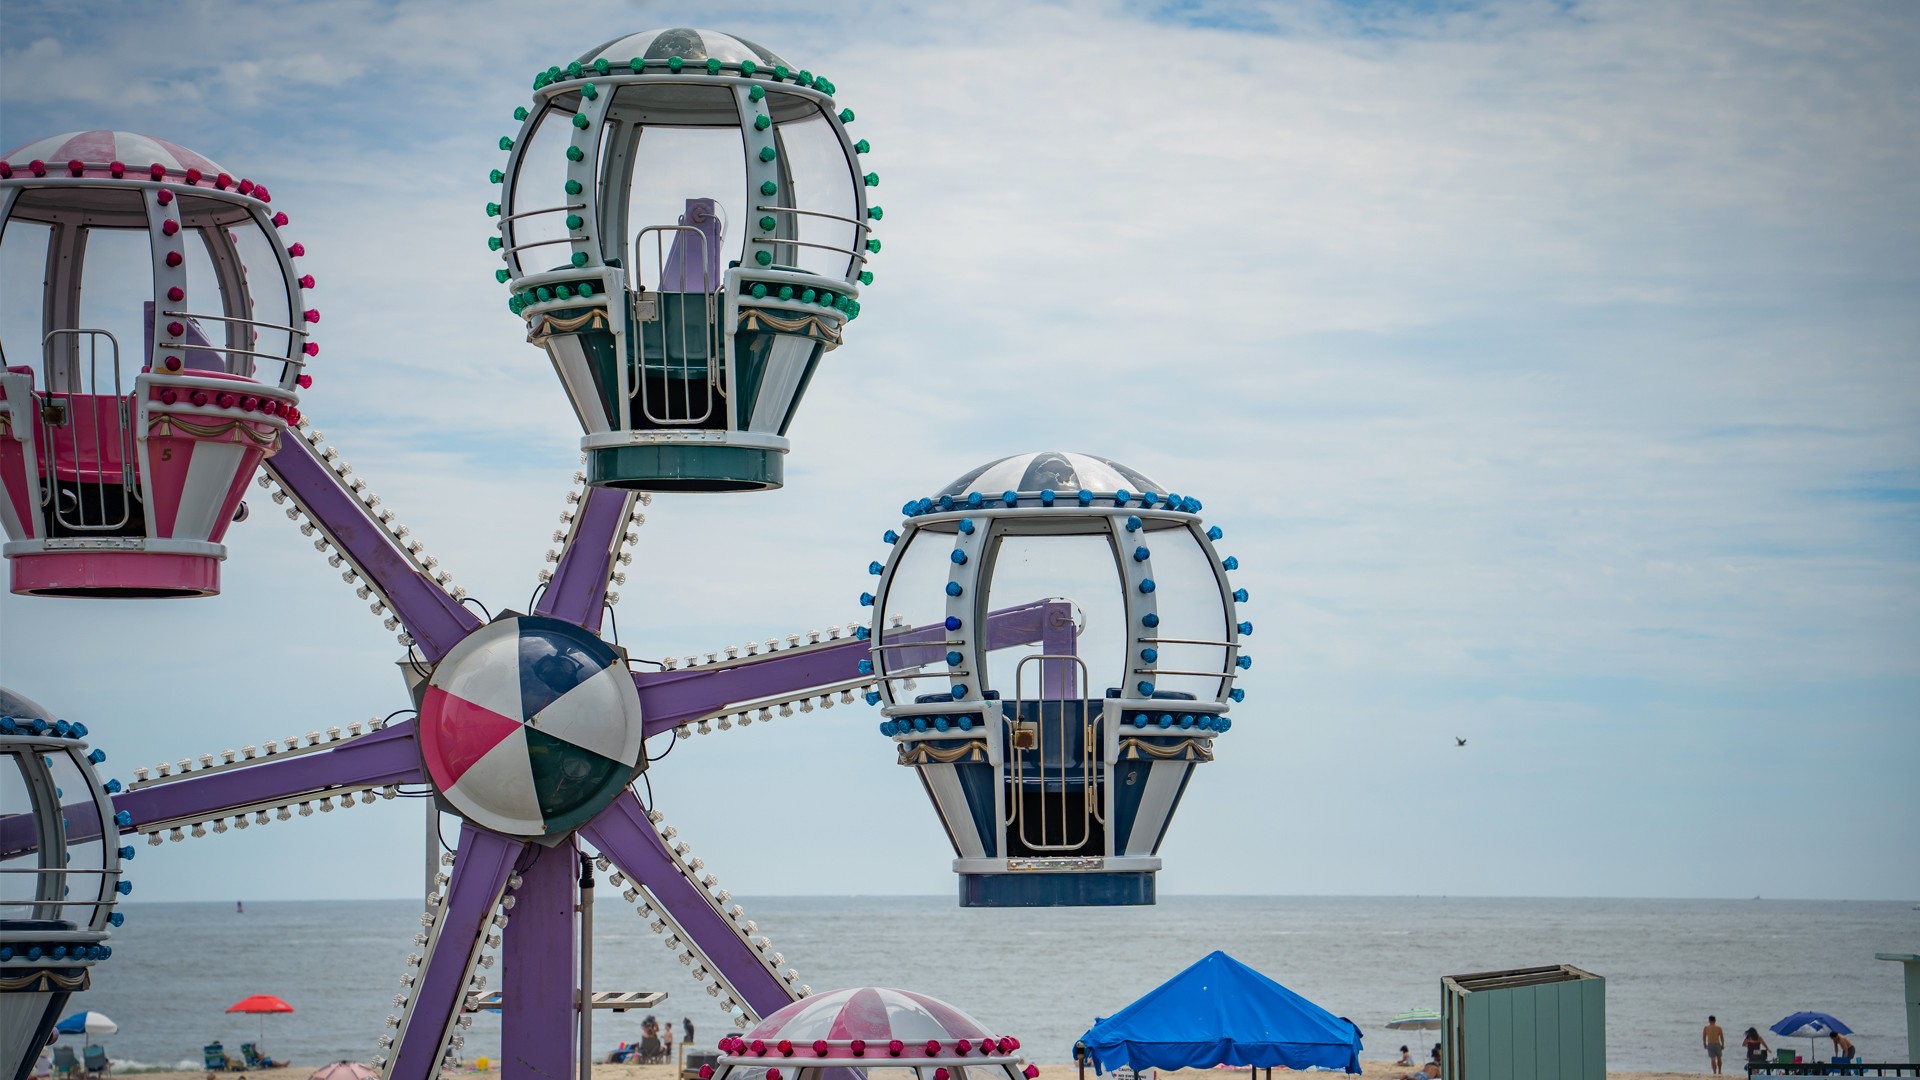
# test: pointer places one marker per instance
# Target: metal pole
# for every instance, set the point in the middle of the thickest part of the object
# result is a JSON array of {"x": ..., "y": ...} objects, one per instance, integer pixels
[
  {"x": 433, "y": 844},
  {"x": 586, "y": 966}
]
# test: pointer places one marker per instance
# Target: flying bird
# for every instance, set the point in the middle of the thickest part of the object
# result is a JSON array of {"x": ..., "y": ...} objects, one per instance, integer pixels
[{"x": 1458, "y": 741}]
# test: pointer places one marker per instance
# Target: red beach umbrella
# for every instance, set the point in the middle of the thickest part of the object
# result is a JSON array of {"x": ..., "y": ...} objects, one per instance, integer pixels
[{"x": 261, "y": 1004}]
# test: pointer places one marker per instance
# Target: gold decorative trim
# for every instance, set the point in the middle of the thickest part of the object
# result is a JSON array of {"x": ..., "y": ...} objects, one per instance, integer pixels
[
  {"x": 1186, "y": 750},
  {"x": 43, "y": 981},
  {"x": 546, "y": 325},
  {"x": 166, "y": 423},
  {"x": 812, "y": 325},
  {"x": 923, "y": 754}
]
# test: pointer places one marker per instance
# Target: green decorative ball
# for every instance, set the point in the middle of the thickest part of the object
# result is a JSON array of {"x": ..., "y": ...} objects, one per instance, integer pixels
[
  {"x": 806, "y": 297},
  {"x": 764, "y": 258},
  {"x": 561, "y": 292},
  {"x": 493, "y": 209},
  {"x": 862, "y": 146},
  {"x": 573, "y": 187},
  {"x": 574, "y": 69},
  {"x": 767, "y": 153},
  {"x": 756, "y": 93},
  {"x": 759, "y": 290},
  {"x": 543, "y": 294},
  {"x": 579, "y": 258},
  {"x": 506, "y": 142},
  {"x": 520, "y": 112},
  {"x": 876, "y": 213},
  {"x": 762, "y": 122},
  {"x": 495, "y": 243},
  {"x": 767, "y": 223},
  {"x": 580, "y": 120},
  {"x": 496, "y": 177},
  {"x": 589, "y": 91},
  {"x": 866, "y": 277},
  {"x": 780, "y": 72},
  {"x": 637, "y": 65},
  {"x": 846, "y": 116},
  {"x": 574, "y": 221},
  {"x": 501, "y": 276},
  {"x": 574, "y": 153},
  {"x": 769, "y": 188},
  {"x": 786, "y": 292},
  {"x": 872, "y": 179},
  {"x": 602, "y": 66},
  {"x": 674, "y": 63},
  {"x": 713, "y": 66},
  {"x": 585, "y": 290},
  {"x": 873, "y": 246},
  {"x": 748, "y": 67}
]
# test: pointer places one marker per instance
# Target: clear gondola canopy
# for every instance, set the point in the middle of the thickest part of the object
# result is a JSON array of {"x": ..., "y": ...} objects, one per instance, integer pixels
[{"x": 683, "y": 222}]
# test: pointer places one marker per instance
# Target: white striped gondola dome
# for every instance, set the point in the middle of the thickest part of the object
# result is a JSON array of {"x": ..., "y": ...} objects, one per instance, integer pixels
[
  {"x": 689, "y": 44},
  {"x": 101, "y": 147},
  {"x": 869, "y": 1025},
  {"x": 1061, "y": 472}
]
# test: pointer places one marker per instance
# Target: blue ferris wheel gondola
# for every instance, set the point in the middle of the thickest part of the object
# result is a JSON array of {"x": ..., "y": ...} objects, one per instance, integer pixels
[{"x": 1084, "y": 646}]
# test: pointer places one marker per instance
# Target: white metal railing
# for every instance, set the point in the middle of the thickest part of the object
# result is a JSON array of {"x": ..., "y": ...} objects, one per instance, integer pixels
[
  {"x": 682, "y": 382},
  {"x": 1051, "y": 737},
  {"x": 95, "y": 500}
]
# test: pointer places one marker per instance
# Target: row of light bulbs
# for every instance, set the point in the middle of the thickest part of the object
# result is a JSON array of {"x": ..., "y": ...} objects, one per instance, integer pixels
[
  {"x": 765, "y": 711},
  {"x": 271, "y": 748},
  {"x": 832, "y": 635},
  {"x": 623, "y": 554},
  {"x": 676, "y": 938},
  {"x": 426, "y": 941},
  {"x": 242, "y": 817}
]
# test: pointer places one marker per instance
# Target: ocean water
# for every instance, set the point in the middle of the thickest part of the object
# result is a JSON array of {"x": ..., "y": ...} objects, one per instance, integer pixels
[{"x": 1044, "y": 975}]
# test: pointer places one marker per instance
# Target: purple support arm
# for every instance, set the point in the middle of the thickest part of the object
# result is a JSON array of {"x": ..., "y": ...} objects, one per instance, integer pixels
[
  {"x": 671, "y": 698},
  {"x": 578, "y": 591},
  {"x": 540, "y": 957},
  {"x": 435, "y": 620},
  {"x": 479, "y": 875},
  {"x": 387, "y": 756},
  {"x": 623, "y": 834}
]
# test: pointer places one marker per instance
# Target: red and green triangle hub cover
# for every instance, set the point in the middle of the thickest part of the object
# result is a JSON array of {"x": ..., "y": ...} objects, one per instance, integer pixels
[{"x": 530, "y": 726}]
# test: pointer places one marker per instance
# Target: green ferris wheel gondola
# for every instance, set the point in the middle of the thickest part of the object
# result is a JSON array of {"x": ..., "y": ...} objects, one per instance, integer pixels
[{"x": 685, "y": 287}]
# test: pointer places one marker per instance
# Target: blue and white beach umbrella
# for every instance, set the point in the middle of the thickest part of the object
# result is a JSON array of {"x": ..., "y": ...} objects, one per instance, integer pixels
[
  {"x": 1809, "y": 1026},
  {"x": 87, "y": 1023}
]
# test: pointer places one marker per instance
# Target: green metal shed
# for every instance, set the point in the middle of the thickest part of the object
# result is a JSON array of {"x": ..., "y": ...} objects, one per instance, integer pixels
[{"x": 1541, "y": 1023}]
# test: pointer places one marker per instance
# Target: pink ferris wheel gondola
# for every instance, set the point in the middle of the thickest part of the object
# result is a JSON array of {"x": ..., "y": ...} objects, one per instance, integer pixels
[{"x": 122, "y": 469}]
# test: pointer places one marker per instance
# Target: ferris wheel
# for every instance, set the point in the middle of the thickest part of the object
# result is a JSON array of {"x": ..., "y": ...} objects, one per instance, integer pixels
[{"x": 684, "y": 226}]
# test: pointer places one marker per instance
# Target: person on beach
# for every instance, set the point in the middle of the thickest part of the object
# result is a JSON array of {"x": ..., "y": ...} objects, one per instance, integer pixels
[
  {"x": 1715, "y": 1040},
  {"x": 1429, "y": 1071},
  {"x": 1842, "y": 1046},
  {"x": 1756, "y": 1047},
  {"x": 1406, "y": 1057}
]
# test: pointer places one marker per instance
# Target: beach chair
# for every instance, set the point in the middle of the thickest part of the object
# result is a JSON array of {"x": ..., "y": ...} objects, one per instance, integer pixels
[
  {"x": 216, "y": 1055},
  {"x": 651, "y": 1052},
  {"x": 257, "y": 1060},
  {"x": 64, "y": 1063},
  {"x": 95, "y": 1059}
]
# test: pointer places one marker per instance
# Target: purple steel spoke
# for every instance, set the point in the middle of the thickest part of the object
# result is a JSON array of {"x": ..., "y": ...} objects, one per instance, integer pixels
[
  {"x": 540, "y": 959},
  {"x": 435, "y": 620},
  {"x": 479, "y": 874},
  {"x": 578, "y": 591},
  {"x": 623, "y": 834},
  {"x": 387, "y": 756},
  {"x": 671, "y": 698}
]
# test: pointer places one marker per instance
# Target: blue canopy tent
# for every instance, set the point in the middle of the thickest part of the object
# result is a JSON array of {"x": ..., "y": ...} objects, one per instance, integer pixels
[{"x": 1222, "y": 1012}]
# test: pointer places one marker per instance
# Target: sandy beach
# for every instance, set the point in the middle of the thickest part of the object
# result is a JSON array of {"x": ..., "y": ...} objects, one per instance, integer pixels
[{"x": 1372, "y": 1070}]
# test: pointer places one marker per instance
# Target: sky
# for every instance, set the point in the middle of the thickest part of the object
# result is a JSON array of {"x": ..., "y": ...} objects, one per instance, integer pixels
[{"x": 1550, "y": 366}]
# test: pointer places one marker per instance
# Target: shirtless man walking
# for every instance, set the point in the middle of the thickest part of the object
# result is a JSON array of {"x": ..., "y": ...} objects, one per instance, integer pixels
[{"x": 1715, "y": 1040}]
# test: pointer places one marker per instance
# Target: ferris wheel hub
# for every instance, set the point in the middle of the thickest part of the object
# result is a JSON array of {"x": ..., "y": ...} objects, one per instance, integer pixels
[{"x": 531, "y": 726}]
